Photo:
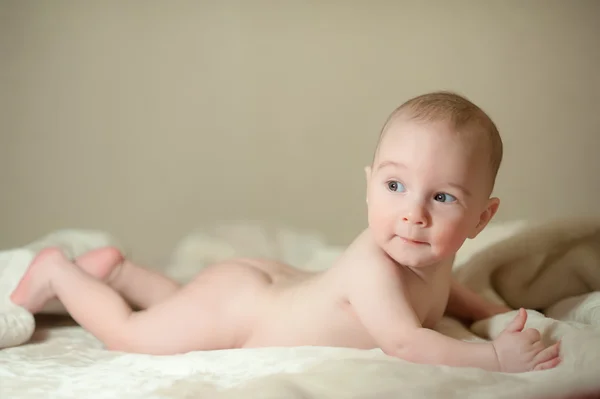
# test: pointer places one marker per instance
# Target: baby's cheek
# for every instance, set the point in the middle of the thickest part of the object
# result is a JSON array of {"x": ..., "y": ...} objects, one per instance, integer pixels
[
  {"x": 379, "y": 215},
  {"x": 381, "y": 225},
  {"x": 450, "y": 238}
]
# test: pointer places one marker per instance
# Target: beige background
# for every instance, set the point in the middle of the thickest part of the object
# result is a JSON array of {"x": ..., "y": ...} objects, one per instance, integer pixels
[{"x": 151, "y": 120}]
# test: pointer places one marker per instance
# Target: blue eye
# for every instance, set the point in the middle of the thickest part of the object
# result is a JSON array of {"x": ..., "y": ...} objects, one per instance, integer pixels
[
  {"x": 443, "y": 197},
  {"x": 395, "y": 186}
]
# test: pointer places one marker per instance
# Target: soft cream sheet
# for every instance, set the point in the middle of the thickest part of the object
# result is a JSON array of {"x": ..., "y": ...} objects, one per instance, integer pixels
[{"x": 554, "y": 268}]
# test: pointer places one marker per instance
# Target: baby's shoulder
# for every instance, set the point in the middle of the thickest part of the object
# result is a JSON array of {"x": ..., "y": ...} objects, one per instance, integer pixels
[{"x": 363, "y": 257}]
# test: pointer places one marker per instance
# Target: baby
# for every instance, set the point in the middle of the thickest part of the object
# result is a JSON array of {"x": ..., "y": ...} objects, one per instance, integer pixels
[{"x": 428, "y": 190}]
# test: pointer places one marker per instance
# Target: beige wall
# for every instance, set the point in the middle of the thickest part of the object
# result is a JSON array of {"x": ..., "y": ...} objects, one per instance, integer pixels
[{"x": 150, "y": 121}]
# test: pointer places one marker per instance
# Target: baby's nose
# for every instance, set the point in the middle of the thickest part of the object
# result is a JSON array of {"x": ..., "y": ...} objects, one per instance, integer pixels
[
  {"x": 416, "y": 216},
  {"x": 413, "y": 220}
]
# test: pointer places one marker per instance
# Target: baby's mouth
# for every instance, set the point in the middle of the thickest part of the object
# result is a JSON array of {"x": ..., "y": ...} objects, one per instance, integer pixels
[{"x": 413, "y": 242}]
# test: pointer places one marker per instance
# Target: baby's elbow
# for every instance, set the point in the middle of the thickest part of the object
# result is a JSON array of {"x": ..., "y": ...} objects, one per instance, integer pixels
[
  {"x": 404, "y": 351},
  {"x": 411, "y": 348}
]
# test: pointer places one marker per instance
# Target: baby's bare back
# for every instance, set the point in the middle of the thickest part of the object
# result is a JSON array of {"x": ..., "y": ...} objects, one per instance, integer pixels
[
  {"x": 266, "y": 303},
  {"x": 257, "y": 303}
]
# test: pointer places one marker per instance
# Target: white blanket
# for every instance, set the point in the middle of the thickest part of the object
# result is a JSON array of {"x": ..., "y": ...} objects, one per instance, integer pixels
[{"x": 554, "y": 268}]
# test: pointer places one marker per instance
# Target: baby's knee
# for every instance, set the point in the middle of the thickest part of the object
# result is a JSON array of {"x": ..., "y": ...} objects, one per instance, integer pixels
[
  {"x": 124, "y": 346},
  {"x": 120, "y": 344},
  {"x": 123, "y": 341},
  {"x": 136, "y": 345}
]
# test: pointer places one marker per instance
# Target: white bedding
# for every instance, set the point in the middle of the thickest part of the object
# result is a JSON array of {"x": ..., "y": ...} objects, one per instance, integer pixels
[{"x": 554, "y": 268}]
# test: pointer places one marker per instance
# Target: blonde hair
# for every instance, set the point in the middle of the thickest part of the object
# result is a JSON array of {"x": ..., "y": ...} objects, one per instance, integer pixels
[{"x": 459, "y": 112}]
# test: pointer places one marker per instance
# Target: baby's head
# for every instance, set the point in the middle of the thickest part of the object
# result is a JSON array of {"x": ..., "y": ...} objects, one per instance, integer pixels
[{"x": 432, "y": 175}]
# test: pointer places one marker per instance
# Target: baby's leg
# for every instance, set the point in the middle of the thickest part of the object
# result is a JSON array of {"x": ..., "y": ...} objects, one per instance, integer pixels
[
  {"x": 102, "y": 263},
  {"x": 139, "y": 286},
  {"x": 176, "y": 325}
]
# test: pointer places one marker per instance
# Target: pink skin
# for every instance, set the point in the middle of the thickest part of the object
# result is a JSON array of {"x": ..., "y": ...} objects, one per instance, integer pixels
[
  {"x": 427, "y": 193},
  {"x": 101, "y": 263},
  {"x": 141, "y": 287},
  {"x": 106, "y": 264},
  {"x": 412, "y": 237},
  {"x": 52, "y": 274},
  {"x": 166, "y": 325},
  {"x": 101, "y": 310},
  {"x": 34, "y": 289},
  {"x": 415, "y": 164}
]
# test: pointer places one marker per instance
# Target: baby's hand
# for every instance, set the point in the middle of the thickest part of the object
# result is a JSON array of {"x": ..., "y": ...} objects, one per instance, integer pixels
[{"x": 520, "y": 351}]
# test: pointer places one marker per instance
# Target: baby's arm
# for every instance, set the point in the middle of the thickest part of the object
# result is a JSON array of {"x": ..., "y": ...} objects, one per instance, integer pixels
[
  {"x": 381, "y": 303},
  {"x": 465, "y": 304}
]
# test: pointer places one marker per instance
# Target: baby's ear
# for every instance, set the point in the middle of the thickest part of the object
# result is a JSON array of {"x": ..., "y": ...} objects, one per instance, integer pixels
[
  {"x": 486, "y": 216},
  {"x": 368, "y": 172},
  {"x": 368, "y": 176}
]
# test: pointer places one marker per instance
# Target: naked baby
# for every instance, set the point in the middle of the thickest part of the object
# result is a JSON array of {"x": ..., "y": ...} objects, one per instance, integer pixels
[{"x": 428, "y": 190}]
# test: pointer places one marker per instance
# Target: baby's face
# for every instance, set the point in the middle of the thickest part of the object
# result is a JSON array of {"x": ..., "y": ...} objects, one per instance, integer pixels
[{"x": 427, "y": 192}]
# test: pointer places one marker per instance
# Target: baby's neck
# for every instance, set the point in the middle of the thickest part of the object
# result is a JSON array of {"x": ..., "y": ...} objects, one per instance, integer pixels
[{"x": 425, "y": 272}]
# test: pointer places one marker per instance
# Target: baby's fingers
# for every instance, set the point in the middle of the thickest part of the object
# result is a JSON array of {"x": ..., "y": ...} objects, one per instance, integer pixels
[
  {"x": 550, "y": 364},
  {"x": 549, "y": 354},
  {"x": 533, "y": 334}
]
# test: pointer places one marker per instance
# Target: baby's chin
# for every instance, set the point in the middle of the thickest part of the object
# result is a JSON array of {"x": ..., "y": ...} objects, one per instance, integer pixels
[
  {"x": 416, "y": 264},
  {"x": 414, "y": 257},
  {"x": 413, "y": 260}
]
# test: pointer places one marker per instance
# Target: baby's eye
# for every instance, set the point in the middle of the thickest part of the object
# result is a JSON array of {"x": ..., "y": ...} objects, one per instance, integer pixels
[
  {"x": 443, "y": 197},
  {"x": 395, "y": 186}
]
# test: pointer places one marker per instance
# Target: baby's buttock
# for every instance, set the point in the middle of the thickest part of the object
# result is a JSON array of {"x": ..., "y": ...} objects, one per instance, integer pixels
[
  {"x": 238, "y": 293},
  {"x": 262, "y": 303}
]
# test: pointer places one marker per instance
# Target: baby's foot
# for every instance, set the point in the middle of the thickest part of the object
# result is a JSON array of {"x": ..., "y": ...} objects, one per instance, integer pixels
[
  {"x": 102, "y": 263},
  {"x": 34, "y": 289}
]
